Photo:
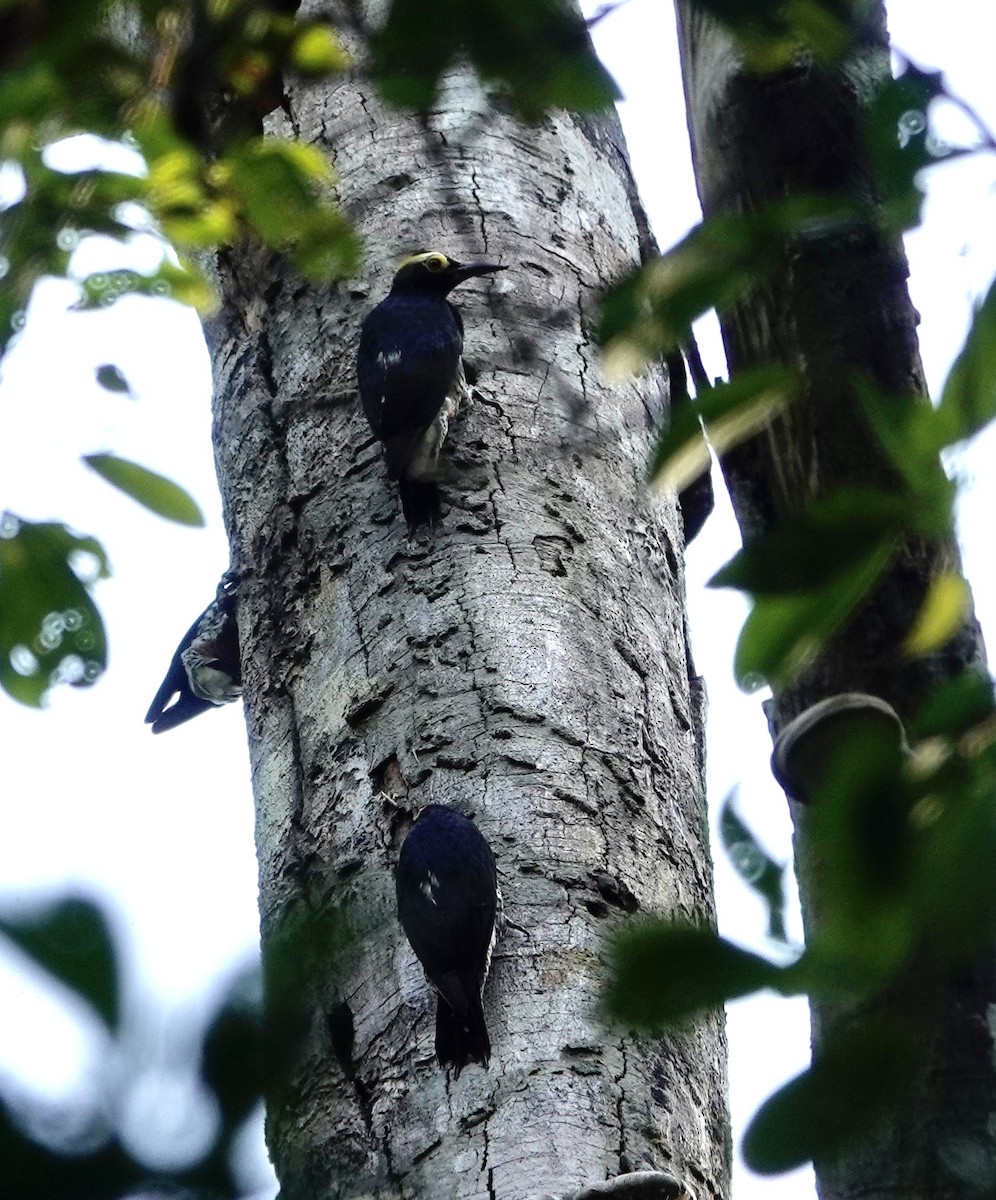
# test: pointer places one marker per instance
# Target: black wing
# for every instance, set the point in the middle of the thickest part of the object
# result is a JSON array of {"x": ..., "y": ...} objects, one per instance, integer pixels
[
  {"x": 161, "y": 716},
  {"x": 408, "y": 357},
  {"x": 215, "y": 636}
]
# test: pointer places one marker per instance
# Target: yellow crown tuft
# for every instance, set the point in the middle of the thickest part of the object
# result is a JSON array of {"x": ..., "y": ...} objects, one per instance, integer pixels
[{"x": 432, "y": 260}]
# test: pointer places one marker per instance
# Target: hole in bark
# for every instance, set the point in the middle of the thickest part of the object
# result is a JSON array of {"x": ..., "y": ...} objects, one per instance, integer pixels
[
  {"x": 552, "y": 551},
  {"x": 365, "y": 704},
  {"x": 386, "y": 778},
  {"x": 349, "y": 867},
  {"x": 580, "y": 1051},
  {"x": 342, "y": 1035},
  {"x": 613, "y": 891},
  {"x": 597, "y": 908}
]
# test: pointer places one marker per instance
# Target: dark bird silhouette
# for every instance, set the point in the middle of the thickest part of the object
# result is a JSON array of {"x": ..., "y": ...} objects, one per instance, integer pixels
[
  {"x": 450, "y": 908},
  {"x": 205, "y": 670},
  {"x": 411, "y": 376}
]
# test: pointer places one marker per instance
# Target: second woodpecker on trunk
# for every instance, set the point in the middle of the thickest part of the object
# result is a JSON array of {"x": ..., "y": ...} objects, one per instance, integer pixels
[
  {"x": 411, "y": 376},
  {"x": 450, "y": 908}
]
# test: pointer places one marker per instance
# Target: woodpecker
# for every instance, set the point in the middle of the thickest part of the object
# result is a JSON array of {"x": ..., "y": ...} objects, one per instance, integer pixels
[
  {"x": 411, "y": 376},
  {"x": 450, "y": 908},
  {"x": 205, "y": 670}
]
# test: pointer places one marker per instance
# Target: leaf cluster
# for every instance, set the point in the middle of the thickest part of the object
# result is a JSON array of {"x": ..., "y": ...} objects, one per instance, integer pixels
[
  {"x": 807, "y": 575},
  {"x": 537, "y": 54},
  {"x": 907, "y": 892}
]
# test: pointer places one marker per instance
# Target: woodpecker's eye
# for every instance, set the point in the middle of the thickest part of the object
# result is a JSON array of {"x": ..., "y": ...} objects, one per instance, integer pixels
[{"x": 436, "y": 263}]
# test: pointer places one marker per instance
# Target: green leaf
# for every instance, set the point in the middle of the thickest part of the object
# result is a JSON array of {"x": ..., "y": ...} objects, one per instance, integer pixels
[
  {"x": 943, "y": 612},
  {"x": 317, "y": 51},
  {"x": 772, "y": 33},
  {"x": 662, "y": 974},
  {"x": 280, "y": 185},
  {"x": 955, "y": 890},
  {"x": 912, "y": 434},
  {"x": 72, "y": 941},
  {"x": 731, "y": 412},
  {"x": 955, "y": 705},
  {"x": 110, "y": 378},
  {"x": 231, "y": 1062},
  {"x": 968, "y": 402},
  {"x": 784, "y": 633},
  {"x": 897, "y": 131},
  {"x": 538, "y": 53},
  {"x": 85, "y": 1162},
  {"x": 650, "y": 312},
  {"x": 847, "y": 1091},
  {"x": 833, "y": 536},
  {"x": 50, "y": 629},
  {"x": 152, "y": 491},
  {"x": 184, "y": 282},
  {"x": 754, "y": 866},
  {"x": 860, "y": 802}
]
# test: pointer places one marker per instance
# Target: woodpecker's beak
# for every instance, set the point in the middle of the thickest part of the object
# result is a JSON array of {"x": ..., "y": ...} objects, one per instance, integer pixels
[{"x": 464, "y": 271}]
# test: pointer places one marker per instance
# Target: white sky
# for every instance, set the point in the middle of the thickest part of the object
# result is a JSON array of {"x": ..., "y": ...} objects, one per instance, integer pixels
[{"x": 162, "y": 826}]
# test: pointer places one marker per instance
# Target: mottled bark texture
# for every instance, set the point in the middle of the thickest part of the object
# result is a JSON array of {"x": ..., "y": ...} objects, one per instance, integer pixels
[
  {"x": 836, "y": 307},
  {"x": 527, "y": 664}
]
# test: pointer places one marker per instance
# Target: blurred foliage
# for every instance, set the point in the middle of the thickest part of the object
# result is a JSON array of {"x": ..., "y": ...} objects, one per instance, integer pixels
[
  {"x": 242, "y": 1057},
  {"x": 537, "y": 54},
  {"x": 71, "y": 941},
  {"x": 50, "y": 629},
  {"x": 851, "y": 1086},
  {"x": 730, "y": 412},
  {"x": 184, "y": 87},
  {"x": 807, "y": 577},
  {"x": 652, "y": 310},
  {"x": 772, "y": 33},
  {"x": 755, "y": 866},
  {"x": 908, "y": 893},
  {"x": 111, "y": 380}
]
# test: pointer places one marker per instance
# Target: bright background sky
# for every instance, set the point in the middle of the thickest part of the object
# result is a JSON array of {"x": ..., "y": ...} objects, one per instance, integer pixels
[{"x": 160, "y": 828}]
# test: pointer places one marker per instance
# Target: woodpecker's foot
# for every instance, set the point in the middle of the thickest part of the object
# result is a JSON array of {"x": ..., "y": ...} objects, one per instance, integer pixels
[
  {"x": 634, "y": 1185},
  {"x": 805, "y": 748}
]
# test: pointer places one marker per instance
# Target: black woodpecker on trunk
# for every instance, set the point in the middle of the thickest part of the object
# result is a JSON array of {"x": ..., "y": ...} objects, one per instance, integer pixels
[
  {"x": 205, "y": 670},
  {"x": 450, "y": 908},
  {"x": 411, "y": 375}
]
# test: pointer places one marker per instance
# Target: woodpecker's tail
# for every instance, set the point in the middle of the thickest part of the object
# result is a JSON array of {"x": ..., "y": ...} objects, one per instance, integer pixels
[
  {"x": 460, "y": 1040},
  {"x": 421, "y": 502},
  {"x": 187, "y": 707}
]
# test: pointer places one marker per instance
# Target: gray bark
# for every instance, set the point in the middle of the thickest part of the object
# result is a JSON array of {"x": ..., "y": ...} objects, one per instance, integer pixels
[
  {"x": 838, "y": 306},
  {"x": 528, "y": 664}
]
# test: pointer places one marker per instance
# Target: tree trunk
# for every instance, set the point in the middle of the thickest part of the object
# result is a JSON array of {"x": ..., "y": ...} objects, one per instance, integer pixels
[
  {"x": 527, "y": 664},
  {"x": 838, "y": 307}
]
